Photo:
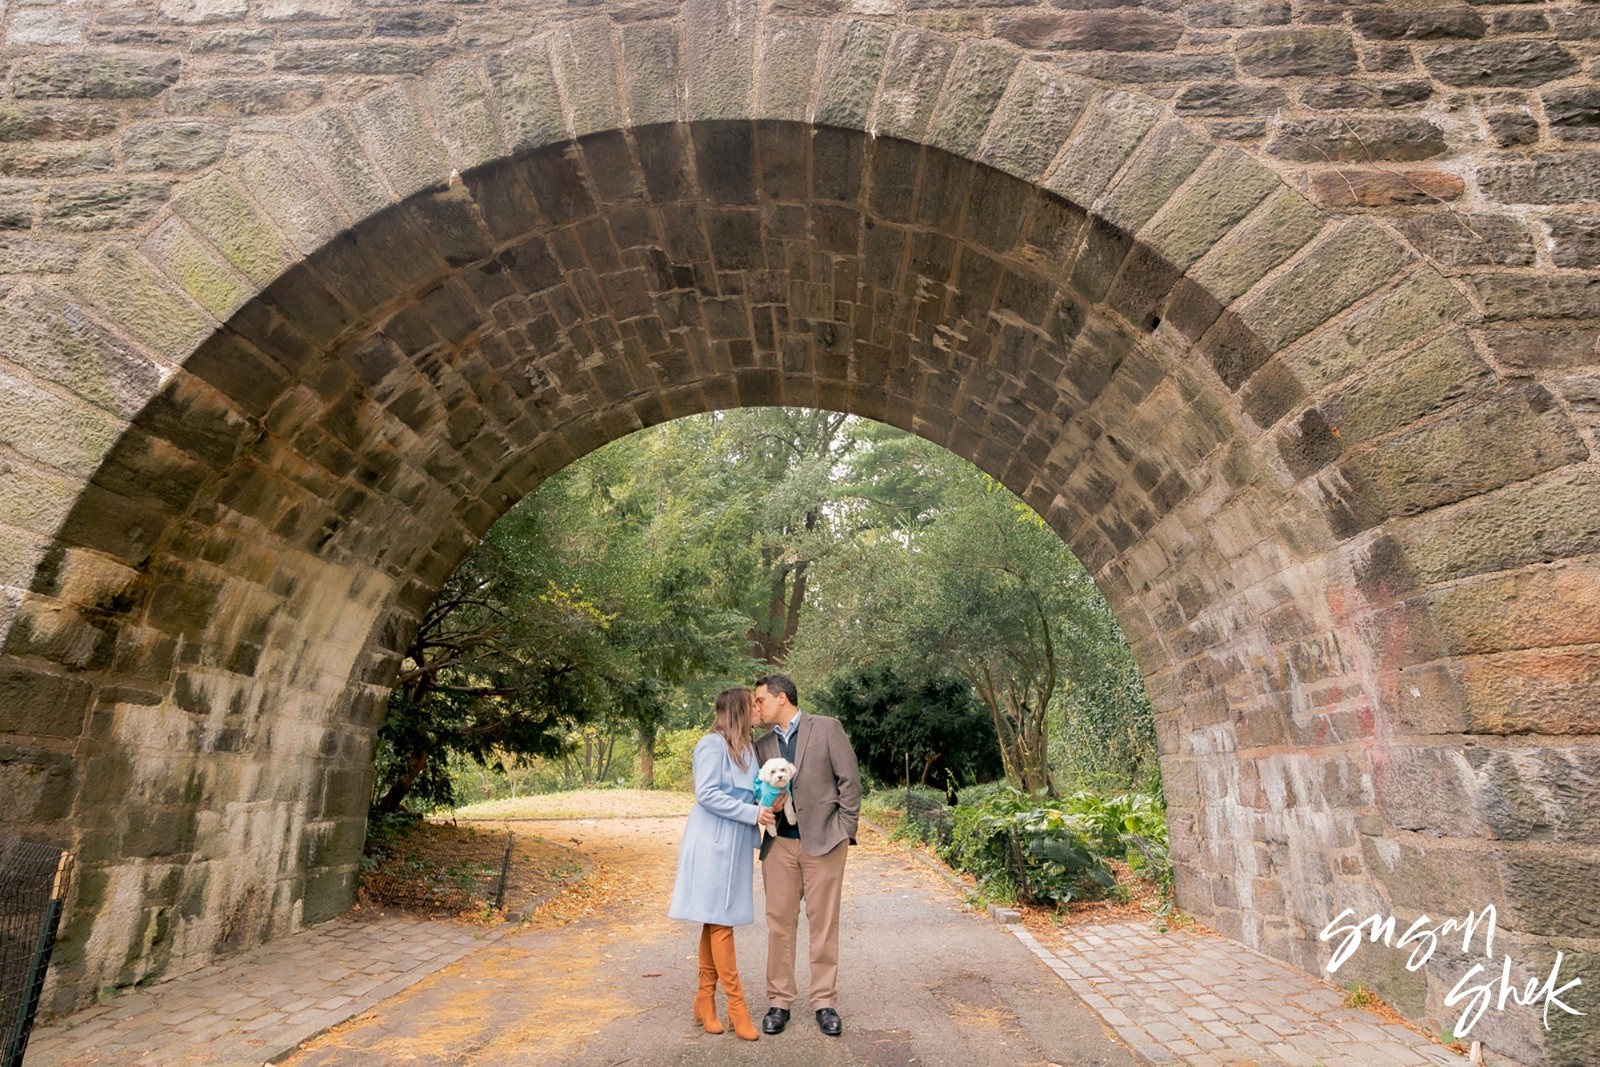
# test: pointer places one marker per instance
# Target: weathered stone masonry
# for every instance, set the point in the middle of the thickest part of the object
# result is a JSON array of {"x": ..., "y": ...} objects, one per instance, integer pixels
[{"x": 1283, "y": 314}]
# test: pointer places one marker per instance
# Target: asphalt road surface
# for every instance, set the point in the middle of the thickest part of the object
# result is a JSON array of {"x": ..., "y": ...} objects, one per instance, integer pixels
[{"x": 922, "y": 980}]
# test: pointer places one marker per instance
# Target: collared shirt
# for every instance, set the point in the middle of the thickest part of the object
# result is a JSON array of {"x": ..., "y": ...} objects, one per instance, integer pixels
[
  {"x": 788, "y": 737},
  {"x": 787, "y": 732}
]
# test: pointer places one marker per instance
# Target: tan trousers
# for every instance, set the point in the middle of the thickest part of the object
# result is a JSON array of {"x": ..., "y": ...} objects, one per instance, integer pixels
[{"x": 789, "y": 875}]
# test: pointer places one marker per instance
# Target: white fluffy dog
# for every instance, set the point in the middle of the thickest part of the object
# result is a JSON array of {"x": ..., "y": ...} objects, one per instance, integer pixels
[{"x": 772, "y": 781}]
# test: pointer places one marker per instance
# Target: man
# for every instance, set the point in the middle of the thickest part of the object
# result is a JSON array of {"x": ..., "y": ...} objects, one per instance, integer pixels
[{"x": 804, "y": 859}]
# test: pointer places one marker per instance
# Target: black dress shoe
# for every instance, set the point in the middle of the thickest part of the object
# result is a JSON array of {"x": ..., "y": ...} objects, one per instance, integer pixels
[
  {"x": 775, "y": 1020},
  {"x": 829, "y": 1021}
]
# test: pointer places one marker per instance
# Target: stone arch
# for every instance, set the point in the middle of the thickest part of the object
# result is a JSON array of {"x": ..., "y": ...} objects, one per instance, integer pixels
[{"x": 339, "y": 359}]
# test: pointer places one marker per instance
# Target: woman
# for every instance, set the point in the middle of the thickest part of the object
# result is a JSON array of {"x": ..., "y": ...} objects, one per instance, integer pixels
[{"x": 716, "y": 862}]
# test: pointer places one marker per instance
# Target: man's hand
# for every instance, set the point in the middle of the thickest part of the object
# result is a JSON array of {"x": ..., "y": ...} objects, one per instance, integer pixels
[{"x": 782, "y": 799}]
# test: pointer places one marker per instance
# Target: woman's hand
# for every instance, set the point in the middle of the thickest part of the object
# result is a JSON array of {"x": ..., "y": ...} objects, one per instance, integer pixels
[{"x": 765, "y": 817}]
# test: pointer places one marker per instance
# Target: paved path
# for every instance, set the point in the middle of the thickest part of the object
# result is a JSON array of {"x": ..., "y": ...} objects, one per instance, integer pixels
[
  {"x": 259, "y": 1005},
  {"x": 1188, "y": 997},
  {"x": 924, "y": 981}
]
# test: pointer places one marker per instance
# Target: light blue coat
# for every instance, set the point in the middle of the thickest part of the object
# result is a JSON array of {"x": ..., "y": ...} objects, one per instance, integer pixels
[{"x": 716, "y": 861}]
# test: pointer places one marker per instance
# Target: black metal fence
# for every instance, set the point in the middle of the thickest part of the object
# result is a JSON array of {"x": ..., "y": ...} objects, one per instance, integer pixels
[{"x": 33, "y": 884}]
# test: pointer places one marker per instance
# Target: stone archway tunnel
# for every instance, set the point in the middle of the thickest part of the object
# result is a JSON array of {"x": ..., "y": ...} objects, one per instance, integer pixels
[{"x": 1284, "y": 316}]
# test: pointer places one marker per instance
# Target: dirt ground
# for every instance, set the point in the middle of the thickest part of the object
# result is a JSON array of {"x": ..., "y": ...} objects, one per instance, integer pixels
[{"x": 600, "y": 975}]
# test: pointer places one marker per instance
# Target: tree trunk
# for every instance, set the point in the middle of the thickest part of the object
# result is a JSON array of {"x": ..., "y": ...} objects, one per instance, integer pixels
[
  {"x": 647, "y": 758},
  {"x": 402, "y": 785}
]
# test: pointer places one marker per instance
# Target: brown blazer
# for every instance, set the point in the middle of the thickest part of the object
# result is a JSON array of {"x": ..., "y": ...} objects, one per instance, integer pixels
[{"x": 825, "y": 795}]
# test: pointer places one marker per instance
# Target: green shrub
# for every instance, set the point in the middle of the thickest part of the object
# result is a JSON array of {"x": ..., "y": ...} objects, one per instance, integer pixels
[
  {"x": 1129, "y": 826},
  {"x": 1027, "y": 846}
]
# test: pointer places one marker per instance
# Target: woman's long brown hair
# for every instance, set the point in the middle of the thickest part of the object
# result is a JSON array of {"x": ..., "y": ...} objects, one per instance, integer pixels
[{"x": 735, "y": 707}]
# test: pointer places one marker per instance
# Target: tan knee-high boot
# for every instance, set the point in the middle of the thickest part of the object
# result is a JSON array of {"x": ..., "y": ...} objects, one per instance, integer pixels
[
  {"x": 728, "y": 975},
  {"x": 705, "y": 999}
]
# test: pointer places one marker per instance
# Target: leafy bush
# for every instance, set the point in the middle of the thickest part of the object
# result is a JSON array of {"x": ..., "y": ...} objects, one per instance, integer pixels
[
  {"x": 1050, "y": 851},
  {"x": 1129, "y": 826},
  {"x": 1027, "y": 846}
]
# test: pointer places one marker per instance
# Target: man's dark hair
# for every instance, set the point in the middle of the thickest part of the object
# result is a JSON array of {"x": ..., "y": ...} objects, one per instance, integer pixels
[{"x": 781, "y": 683}]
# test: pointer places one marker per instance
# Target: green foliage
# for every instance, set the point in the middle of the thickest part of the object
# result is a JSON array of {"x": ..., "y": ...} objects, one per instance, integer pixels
[
  {"x": 930, "y": 731},
  {"x": 1029, "y": 846},
  {"x": 1050, "y": 851},
  {"x": 1129, "y": 826}
]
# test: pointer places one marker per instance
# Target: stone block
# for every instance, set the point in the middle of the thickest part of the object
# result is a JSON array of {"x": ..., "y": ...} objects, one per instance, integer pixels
[
  {"x": 1117, "y": 30},
  {"x": 1364, "y": 140},
  {"x": 396, "y": 138},
  {"x": 1037, "y": 113},
  {"x": 1419, "y": 22},
  {"x": 1380, "y": 188},
  {"x": 1107, "y": 136},
  {"x": 1410, "y": 309},
  {"x": 913, "y": 75},
  {"x": 719, "y": 72},
  {"x": 1535, "y": 608},
  {"x": 1551, "y": 888},
  {"x": 36, "y": 160},
  {"x": 36, "y": 703},
  {"x": 173, "y": 146},
  {"x": 85, "y": 207},
  {"x": 221, "y": 211},
  {"x": 1237, "y": 14},
  {"x": 327, "y": 141},
  {"x": 1517, "y": 296},
  {"x": 978, "y": 78},
  {"x": 200, "y": 12},
  {"x": 127, "y": 75},
  {"x": 1441, "y": 373},
  {"x": 459, "y": 109},
  {"x": 56, "y": 341},
  {"x": 1471, "y": 239},
  {"x": 245, "y": 97},
  {"x": 1548, "y": 519},
  {"x": 1421, "y": 874},
  {"x": 650, "y": 73},
  {"x": 135, "y": 296},
  {"x": 1430, "y": 789},
  {"x": 1230, "y": 99},
  {"x": 1364, "y": 95},
  {"x": 529, "y": 103},
  {"x": 1538, "y": 793},
  {"x": 46, "y": 26},
  {"x": 1351, "y": 262},
  {"x": 1553, "y": 692},
  {"x": 1575, "y": 240},
  {"x": 1221, "y": 195},
  {"x": 1531, "y": 351},
  {"x": 1143, "y": 68},
  {"x": 1563, "y": 178},
  {"x": 1446, "y": 460},
  {"x": 1163, "y": 162},
  {"x": 1295, "y": 53},
  {"x": 852, "y": 65},
  {"x": 39, "y": 255},
  {"x": 1573, "y": 113},
  {"x": 197, "y": 268},
  {"x": 54, "y": 120},
  {"x": 275, "y": 175},
  {"x": 585, "y": 64},
  {"x": 1513, "y": 62},
  {"x": 1280, "y": 229},
  {"x": 372, "y": 58}
]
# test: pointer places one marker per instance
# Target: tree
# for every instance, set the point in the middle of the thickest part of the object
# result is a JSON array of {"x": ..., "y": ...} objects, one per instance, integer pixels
[
  {"x": 979, "y": 586},
  {"x": 928, "y": 730},
  {"x": 502, "y": 661}
]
